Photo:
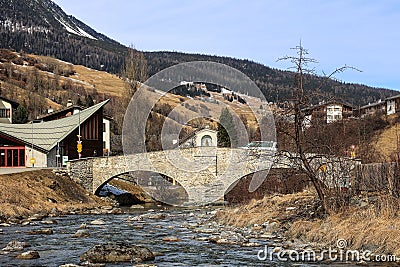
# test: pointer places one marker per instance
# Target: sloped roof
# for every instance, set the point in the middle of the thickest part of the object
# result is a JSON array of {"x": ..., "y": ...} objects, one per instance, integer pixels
[
  {"x": 333, "y": 102},
  {"x": 13, "y": 103},
  {"x": 47, "y": 134},
  {"x": 70, "y": 108}
]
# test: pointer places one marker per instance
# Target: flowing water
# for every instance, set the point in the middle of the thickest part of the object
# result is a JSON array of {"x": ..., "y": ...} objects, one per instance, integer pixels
[{"x": 61, "y": 248}]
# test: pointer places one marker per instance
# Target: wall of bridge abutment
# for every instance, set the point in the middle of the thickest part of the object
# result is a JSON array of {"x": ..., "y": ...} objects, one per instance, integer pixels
[{"x": 81, "y": 171}]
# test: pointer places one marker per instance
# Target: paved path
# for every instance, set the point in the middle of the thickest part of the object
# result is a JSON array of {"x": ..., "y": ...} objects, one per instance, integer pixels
[{"x": 17, "y": 170}]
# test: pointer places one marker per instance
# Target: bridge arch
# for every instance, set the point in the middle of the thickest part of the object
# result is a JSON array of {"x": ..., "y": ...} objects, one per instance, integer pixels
[{"x": 157, "y": 186}]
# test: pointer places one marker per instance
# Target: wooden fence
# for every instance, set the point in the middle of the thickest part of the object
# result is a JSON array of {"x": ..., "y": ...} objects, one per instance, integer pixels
[{"x": 377, "y": 177}]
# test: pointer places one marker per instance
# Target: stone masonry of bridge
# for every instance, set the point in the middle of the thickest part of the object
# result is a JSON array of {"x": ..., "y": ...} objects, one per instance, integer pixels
[{"x": 205, "y": 173}]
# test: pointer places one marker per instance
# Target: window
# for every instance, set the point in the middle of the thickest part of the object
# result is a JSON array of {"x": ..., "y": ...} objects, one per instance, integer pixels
[
  {"x": 206, "y": 141},
  {"x": 338, "y": 117},
  {"x": 5, "y": 113},
  {"x": 104, "y": 127}
]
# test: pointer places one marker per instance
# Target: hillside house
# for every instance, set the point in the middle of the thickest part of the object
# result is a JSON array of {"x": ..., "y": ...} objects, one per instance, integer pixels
[
  {"x": 328, "y": 112},
  {"x": 377, "y": 108},
  {"x": 7, "y": 108}
]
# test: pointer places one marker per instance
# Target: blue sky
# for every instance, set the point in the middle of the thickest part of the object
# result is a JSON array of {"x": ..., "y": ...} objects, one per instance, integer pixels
[{"x": 361, "y": 33}]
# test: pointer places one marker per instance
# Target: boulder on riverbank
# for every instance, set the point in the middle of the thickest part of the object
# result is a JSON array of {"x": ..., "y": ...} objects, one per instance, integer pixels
[{"x": 117, "y": 252}]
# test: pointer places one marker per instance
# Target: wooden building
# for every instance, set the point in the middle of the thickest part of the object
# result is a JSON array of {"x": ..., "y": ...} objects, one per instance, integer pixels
[{"x": 51, "y": 143}]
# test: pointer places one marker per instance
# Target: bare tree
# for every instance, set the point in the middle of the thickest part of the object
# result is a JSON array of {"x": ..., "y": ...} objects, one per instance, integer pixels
[
  {"x": 302, "y": 149},
  {"x": 134, "y": 73}
]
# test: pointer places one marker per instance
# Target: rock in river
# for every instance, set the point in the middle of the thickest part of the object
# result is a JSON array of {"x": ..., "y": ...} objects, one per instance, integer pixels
[
  {"x": 15, "y": 246},
  {"x": 171, "y": 239},
  {"x": 97, "y": 222},
  {"x": 117, "y": 252},
  {"x": 29, "y": 255},
  {"x": 81, "y": 233},
  {"x": 45, "y": 231}
]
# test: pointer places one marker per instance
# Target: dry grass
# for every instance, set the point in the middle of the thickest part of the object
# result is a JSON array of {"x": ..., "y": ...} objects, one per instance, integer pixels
[
  {"x": 26, "y": 193},
  {"x": 104, "y": 82},
  {"x": 375, "y": 227},
  {"x": 268, "y": 209},
  {"x": 387, "y": 141}
]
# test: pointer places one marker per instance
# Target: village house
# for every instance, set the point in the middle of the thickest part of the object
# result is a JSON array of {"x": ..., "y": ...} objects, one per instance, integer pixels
[
  {"x": 388, "y": 106},
  {"x": 51, "y": 143},
  {"x": 327, "y": 112},
  {"x": 7, "y": 108},
  {"x": 71, "y": 109}
]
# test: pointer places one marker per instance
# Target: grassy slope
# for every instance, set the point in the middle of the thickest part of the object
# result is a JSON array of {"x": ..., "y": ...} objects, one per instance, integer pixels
[
  {"x": 387, "y": 141},
  {"x": 375, "y": 225},
  {"x": 26, "y": 193}
]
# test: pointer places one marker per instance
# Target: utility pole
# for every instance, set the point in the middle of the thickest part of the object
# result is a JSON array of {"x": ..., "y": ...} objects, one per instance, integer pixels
[{"x": 79, "y": 145}]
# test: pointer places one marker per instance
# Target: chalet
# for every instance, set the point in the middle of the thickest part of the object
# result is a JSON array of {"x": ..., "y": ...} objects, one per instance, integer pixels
[
  {"x": 377, "y": 108},
  {"x": 327, "y": 112},
  {"x": 6, "y": 110},
  {"x": 200, "y": 138},
  {"x": 71, "y": 109},
  {"x": 50, "y": 143}
]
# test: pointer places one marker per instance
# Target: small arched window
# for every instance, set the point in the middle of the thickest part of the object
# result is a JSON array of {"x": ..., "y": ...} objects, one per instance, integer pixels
[{"x": 206, "y": 141}]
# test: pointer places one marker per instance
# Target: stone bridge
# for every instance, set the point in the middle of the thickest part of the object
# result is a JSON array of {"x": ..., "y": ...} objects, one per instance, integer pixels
[{"x": 205, "y": 173}]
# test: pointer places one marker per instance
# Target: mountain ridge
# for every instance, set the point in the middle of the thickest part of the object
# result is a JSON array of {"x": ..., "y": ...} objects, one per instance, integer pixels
[{"x": 41, "y": 27}]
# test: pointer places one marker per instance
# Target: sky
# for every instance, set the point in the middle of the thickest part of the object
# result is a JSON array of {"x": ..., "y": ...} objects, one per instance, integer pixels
[{"x": 364, "y": 34}]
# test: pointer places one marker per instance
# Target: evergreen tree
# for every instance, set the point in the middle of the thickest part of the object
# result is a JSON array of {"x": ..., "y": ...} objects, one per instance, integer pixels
[
  {"x": 226, "y": 132},
  {"x": 20, "y": 115}
]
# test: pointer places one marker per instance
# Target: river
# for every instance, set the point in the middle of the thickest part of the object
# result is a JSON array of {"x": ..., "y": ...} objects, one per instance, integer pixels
[{"x": 141, "y": 227}]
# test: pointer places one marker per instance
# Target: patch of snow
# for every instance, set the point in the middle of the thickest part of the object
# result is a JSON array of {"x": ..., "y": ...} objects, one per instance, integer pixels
[
  {"x": 225, "y": 91},
  {"x": 109, "y": 189},
  {"x": 79, "y": 32}
]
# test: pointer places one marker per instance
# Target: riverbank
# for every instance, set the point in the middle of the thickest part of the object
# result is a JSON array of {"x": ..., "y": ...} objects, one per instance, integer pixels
[
  {"x": 43, "y": 192},
  {"x": 370, "y": 223}
]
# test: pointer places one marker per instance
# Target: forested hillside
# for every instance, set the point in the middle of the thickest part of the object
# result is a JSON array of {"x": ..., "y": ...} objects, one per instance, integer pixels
[
  {"x": 276, "y": 84},
  {"x": 41, "y": 27}
]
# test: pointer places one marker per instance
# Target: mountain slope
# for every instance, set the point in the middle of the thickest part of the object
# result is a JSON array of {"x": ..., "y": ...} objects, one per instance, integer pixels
[
  {"x": 277, "y": 85},
  {"x": 42, "y": 27}
]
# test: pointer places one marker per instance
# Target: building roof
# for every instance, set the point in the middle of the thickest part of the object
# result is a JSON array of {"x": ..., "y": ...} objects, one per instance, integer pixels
[
  {"x": 64, "y": 109},
  {"x": 310, "y": 108},
  {"x": 13, "y": 103},
  {"x": 370, "y": 105},
  {"x": 393, "y": 97},
  {"x": 46, "y": 135}
]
